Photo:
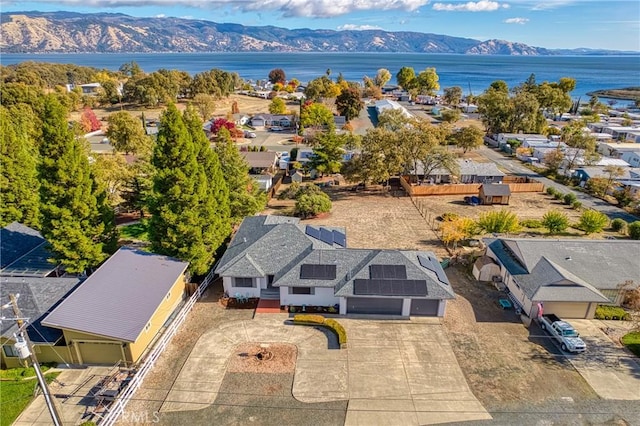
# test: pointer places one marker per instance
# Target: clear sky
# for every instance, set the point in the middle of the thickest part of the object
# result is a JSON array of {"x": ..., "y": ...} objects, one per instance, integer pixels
[{"x": 598, "y": 24}]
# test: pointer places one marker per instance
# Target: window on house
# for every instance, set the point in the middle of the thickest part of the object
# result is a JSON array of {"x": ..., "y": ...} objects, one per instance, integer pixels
[
  {"x": 243, "y": 282},
  {"x": 9, "y": 351},
  {"x": 301, "y": 290}
]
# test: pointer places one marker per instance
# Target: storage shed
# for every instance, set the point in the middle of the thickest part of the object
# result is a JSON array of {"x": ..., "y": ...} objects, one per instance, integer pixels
[
  {"x": 494, "y": 193},
  {"x": 485, "y": 268}
]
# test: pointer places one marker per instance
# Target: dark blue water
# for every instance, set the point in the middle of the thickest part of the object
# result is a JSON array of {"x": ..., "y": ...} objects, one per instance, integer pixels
[{"x": 475, "y": 72}]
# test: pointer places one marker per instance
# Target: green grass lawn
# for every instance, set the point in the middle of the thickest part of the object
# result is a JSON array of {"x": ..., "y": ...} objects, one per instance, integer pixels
[
  {"x": 137, "y": 231},
  {"x": 16, "y": 391},
  {"x": 632, "y": 341}
]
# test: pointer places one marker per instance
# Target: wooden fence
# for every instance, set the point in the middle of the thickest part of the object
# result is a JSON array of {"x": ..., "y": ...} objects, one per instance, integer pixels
[
  {"x": 118, "y": 406},
  {"x": 528, "y": 185}
]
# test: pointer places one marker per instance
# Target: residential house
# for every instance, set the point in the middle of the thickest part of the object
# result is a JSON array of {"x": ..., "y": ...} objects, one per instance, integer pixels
[
  {"x": 240, "y": 119},
  {"x": 116, "y": 313},
  {"x": 469, "y": 172},
  {"x": 268, "y": 120},
  {"x": 91, "y": 89},
  {"x": 583, "y": 174},
  {"x": 631, "y": 157},
  {"x": 568, "y": 277},
  {"x": 261, "y": 161},
  {"x": 615, "y": 149},
  {"x": 387, "y": 104},
  {"x": 25, "y": 253},
  {"x": 36, "y": 297},
  {"x": 277, "y": 257},
  {"x": 523, "y": 138},
  {"x": 494, "y": 193}
]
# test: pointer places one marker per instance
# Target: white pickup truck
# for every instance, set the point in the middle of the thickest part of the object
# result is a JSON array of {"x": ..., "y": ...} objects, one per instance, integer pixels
[{"x": 563, "y": 332}]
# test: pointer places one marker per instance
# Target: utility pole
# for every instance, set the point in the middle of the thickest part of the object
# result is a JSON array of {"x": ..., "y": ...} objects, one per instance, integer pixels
[{"x": 25, "y": 350}]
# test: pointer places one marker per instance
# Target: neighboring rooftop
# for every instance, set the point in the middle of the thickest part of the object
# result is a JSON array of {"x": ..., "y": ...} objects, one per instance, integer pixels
[
  {"x": 119, "y": 299},
  {"x": 583, "y": 259},
  {"x": 37, "y": 297},
  {"x": 24, "y": 252}
]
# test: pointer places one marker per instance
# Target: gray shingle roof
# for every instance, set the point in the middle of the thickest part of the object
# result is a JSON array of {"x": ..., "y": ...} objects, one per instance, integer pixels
[
  {"x": 119, "y": 299},
  {"x": 271, "y": 245},
  {"x": 468, "y": 167},
  {"x": 435, "y": 288},
  {"x": 267, "y": 243},
  {"x": 601, "y": 264},
  {"x": 495, "y": 189},
  {"x": 552, "y": 283},
  {"x": 23, "y": 252},
  {"x": 38, "y": 296},
  {"x": 260, "y": 160}
]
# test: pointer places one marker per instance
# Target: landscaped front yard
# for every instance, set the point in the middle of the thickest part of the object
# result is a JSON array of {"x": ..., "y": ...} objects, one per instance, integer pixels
[{"x": 632, "y": 342}]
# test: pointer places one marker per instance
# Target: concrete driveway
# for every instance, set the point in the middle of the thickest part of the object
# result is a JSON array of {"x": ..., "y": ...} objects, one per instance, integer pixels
[
  {"x": 606, "y": 366},
  {"x": 392, "y": 373}
]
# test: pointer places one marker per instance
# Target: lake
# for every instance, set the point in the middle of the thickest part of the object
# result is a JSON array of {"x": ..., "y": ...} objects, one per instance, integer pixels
[{"x": 471, "y": 72}]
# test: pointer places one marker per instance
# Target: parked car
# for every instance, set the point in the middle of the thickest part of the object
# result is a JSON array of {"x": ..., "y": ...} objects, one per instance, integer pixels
[
  {"x": 276, "y": 128},
  {"x": 563, "y": 332},
  {"x": 248, "y": 134}
]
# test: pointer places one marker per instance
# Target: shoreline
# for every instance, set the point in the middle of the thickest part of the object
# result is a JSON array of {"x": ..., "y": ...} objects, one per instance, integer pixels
[{"x": 625, "y": 94}]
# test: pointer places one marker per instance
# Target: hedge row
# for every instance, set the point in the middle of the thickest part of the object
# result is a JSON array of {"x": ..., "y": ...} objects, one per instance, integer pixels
[
  {"x": 327, "y": 322},
  {"x": 604, "y": 312}
]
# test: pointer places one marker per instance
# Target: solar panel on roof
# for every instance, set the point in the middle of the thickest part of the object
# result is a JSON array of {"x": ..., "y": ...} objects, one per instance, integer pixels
[
  {"x": 314, "y": 271},
  {"x": 340, "y": 238},
  {"x": 313, "y": 232},
  {"x": 433, "y": 265},
  {"x": 326, "y": 235},
  {"x": 388, "y": 272},
  {"x": 379, "y": 287}
]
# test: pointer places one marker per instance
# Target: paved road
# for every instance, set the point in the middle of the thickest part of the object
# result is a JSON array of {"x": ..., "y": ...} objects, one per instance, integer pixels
[{"x": 515, "y": 166}]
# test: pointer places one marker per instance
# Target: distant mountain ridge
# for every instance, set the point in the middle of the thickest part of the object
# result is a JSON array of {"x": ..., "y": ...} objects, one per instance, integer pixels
[{"x": 70, "y": 32}]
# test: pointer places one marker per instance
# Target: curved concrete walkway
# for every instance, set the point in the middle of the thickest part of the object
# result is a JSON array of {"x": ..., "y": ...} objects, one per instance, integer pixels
[{"x": 393, "y": 372}]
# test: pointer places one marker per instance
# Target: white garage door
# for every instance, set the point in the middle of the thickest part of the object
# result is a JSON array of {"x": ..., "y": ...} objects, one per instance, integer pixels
[{"x": 567, "y": 309}]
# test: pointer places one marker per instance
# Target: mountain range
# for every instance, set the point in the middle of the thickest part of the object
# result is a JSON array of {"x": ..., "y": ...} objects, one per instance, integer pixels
[{"x": 69, "y": 32}]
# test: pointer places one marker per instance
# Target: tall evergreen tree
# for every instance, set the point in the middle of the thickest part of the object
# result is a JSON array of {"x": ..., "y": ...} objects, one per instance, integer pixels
[
  {"x": 19, "y": 183},
  {"x": 245, "y": 197},
  {"x": 181, "y": 204},
  {"x": 216, "y": 212},
  {"x": 74, "y": 219}
]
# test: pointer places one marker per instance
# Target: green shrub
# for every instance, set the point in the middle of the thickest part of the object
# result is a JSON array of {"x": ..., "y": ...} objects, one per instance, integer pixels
[
  {"x": 327, "y": 322},
  {"x": 338, "y": 329},
  {"x": 570, "y": 198},
  {"x": 619, "y": 225},
  {"x": 555, "y": 221},
  {"x": 498, "y": 221},
  {"x": 306, "y": 318},
  {"x": 634, "y": 230},
  {"x": 531, "y": 223},
  {"x": 558, "y": 196},
  {"x": 576, "y": 205},
  {"x": 632, "y": 342},
  {"x": 449, "y": 216},
  {"x": 551, "y": 191},
  {"x": 309, "y": 205},
  {"x": 605, "y": 312},
  {"x": 592, "y": 221}
]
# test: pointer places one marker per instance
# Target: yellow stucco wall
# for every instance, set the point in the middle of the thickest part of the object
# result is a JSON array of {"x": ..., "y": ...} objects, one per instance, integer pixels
[
  {"x": 161, "y": 314},
  {"x": 44, "y": 353}
]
